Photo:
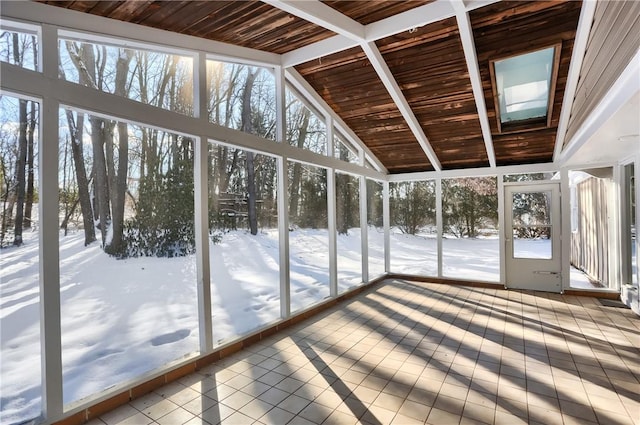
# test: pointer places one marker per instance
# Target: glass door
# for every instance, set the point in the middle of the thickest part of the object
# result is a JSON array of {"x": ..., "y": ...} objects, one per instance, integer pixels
[{"x": 533, "y": 237}]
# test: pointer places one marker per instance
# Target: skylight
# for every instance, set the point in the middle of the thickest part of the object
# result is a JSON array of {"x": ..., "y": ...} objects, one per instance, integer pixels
[{"x": 524, "y": 87}]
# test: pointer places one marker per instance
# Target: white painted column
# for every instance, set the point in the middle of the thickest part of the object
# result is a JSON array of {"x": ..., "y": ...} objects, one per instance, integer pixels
[
  {"x": 386, "y": 220},
  {"x": 283, "y": 197},
  {"x": 283, "y": 228},
  {"x": 332, "y": 229},
  {"x": 502, "y": 231},
  {"x": 636, "y": 173},
  {"x": 332, "y": 210},
  {"x": 565, "y": 238},
  {"x": 364, "y": 228},
  {"x": 614, "y": 220},
  {"x": 439, "y": 223},
  {"x": 201, "y": 200},
  {"x": 50, "y": 329}
]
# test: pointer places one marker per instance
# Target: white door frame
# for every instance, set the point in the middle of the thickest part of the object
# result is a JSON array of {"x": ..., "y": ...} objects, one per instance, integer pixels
[{"x": 542, "y": 274}]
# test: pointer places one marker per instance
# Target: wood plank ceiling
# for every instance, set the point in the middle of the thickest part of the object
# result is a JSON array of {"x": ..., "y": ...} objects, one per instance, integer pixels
[{"x": 427, "y": 62}]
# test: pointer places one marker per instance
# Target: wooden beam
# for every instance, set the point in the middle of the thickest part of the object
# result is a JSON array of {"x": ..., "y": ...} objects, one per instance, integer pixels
[
  {"x": 322, "y": 15},
  {"x": 317, "y": 50},
  {"x": 383, "y": 71},
  {"x": 468, "y": 45},
  {"x": 405, "y": 21},
  {"x": 577, "y": 56},
  {"x": 305, "y": 88}
]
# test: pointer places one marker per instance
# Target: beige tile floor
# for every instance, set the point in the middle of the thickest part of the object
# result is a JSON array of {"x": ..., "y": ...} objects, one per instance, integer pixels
[{"x": 413, "y": 353}]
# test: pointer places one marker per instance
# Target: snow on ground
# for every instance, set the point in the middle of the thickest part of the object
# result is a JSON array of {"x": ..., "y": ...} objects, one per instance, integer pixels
[
  {"x": 122, "y": 318},
  {"x": 475, "y": 259}
]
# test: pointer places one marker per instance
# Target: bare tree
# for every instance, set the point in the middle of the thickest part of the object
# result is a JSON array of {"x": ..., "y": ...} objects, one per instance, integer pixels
[
  {"x": 294, "y": 197},
  {"x": 251, "y": 172},
  {"x": 22, "y": 159}
]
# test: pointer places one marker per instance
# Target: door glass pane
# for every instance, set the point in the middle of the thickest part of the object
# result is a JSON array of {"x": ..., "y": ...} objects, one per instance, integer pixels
[{"x": 531, "y": 221}]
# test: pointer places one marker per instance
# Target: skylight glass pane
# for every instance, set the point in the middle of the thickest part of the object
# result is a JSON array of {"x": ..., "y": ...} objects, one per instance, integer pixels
[{"x": 523, "y": 84}]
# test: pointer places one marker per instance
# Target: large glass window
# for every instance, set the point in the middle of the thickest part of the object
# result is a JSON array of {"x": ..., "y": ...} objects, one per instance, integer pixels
[
  {"x": 19, "y": 47},
  {"x": 20, "y": 348},
  {"x": 344, "y": 150},
  {"x": 243, "y": 238},
  {"x": 349, "y": 241},
  {"x": 470, "y": 245},
  {"x": 305, "y": 129},
  {"x": 375, "y": 226},
  {"x": 153, "y": 78},
  {"x": 413, "y": 228},
  {"x": 242, "y": 97},
  {"x": 127, "y": 251},
  {"x": 308, "y": 235}
]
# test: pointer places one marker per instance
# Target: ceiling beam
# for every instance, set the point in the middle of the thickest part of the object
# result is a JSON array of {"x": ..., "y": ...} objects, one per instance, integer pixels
[
  {"x": 326, "y": 47},
  {"x": 405, "y": 21},
  {"x": 383, "y": 71},
  {"x": 317, "y": 13},
  {"x": 321, "y": 15},
  {"x": 468, "y": 45},
  {"x": 414, "y": 18},
  {"x": 477, "y": 4},
  {"x": 303, "y": 86},
  {"x": 577, "y": 56}
]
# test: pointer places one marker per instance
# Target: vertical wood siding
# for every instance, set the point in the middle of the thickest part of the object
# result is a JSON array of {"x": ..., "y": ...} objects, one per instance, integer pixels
[
  {"x": 590, "y": 243},
  {"x": 614, "y": 39}
]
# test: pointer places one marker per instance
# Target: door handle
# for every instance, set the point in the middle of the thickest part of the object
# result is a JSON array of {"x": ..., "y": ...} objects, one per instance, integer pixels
[{"x": 546, "y": 272}]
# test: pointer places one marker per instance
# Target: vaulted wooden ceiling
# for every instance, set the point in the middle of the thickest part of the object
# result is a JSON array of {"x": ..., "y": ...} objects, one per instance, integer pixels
[{"x": 406, "y": 91}]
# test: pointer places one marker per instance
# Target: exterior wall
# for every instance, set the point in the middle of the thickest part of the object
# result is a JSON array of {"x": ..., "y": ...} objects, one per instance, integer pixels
[
  {"x": 614, "y": 40},
  {"x": 590, "y": 242}
]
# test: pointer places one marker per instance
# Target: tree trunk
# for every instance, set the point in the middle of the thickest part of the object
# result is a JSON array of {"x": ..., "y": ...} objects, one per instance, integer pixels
[
  {"x": 30, "y": 149},
  {"x": 30, "y": 172},
  {"x": 247, "y": 127},
  {"x": 98, "y": 139},
  {"x": 20, "y": 174},
  {"x": 77, "y": 150},
  {"x": 76, "y": 130},
  {"x": 294, "y": 195}
]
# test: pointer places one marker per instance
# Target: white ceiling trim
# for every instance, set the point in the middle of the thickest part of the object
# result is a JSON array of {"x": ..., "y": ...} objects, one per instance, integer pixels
[
  {"x": 381, "y": 67},
  {"x": 468, "y": 45},
  {"x": 160, "y": 39},
  {"x": 316, "y": 12},
  {"x": 322, "y": 15},
  {"x": 475, "y": 172},
  {"x": 477, "y": 4},
  {"x": 327, "y": 47},
  {"x": 318, "y": 102},
  {"x": 579, "y": 50},
  {"x": 405, "y": 21},
  {"x": 414, "y": 18}
]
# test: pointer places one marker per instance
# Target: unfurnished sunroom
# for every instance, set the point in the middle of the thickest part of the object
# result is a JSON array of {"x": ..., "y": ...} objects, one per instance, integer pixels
[{"x": 183, "y": 181}]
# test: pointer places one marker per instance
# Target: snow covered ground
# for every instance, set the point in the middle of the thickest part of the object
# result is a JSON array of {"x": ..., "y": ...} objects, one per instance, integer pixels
[{"x": 122, "y": 318}]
